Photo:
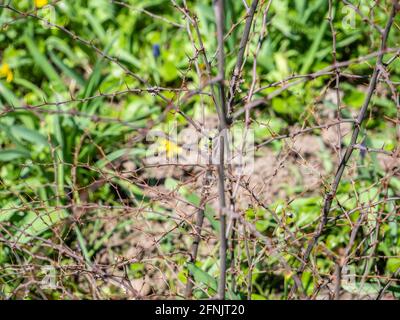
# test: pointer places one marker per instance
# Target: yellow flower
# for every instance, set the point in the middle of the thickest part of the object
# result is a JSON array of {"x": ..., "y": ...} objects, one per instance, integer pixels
[
  {"x": 6, "y": 72},
  {"x": 170, "y": 147},
  {"x": 40, "y": 3},
  {"x": 287, "y": 275}
]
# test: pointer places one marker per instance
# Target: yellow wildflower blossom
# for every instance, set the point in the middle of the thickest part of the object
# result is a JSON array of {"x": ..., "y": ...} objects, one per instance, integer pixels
[
  {"x": 6, "y": 72},
  {"x": 40, "y": 3},
  {"x": 287, "y": 275},
  {"x": 169, "y": 147}
]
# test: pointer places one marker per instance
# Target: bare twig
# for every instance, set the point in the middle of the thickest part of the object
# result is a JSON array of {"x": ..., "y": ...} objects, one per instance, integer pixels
[
  {"x": 239, "y": 62},
  {"x": 361, "y": 116}
]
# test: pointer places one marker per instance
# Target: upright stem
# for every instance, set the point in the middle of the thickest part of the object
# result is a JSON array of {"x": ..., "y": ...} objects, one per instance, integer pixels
[
  {"x": 219, "y": 19},
  {"x": 195, "y": 248},
  {"x": 223, "y": 125},
  {"x": 222, "y": 219},
  {"x": 239, "y": 62},
  {"x": 199, "y": 225}
]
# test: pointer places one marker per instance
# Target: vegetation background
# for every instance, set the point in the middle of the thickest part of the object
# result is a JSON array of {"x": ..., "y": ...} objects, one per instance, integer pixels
[{"x": 83, "y": 215}]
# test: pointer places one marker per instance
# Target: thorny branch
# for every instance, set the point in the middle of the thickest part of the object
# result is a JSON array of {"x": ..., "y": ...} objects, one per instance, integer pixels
[
  {"x": 330, "y": 195},
  {"x": 96, "y": 241}
]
